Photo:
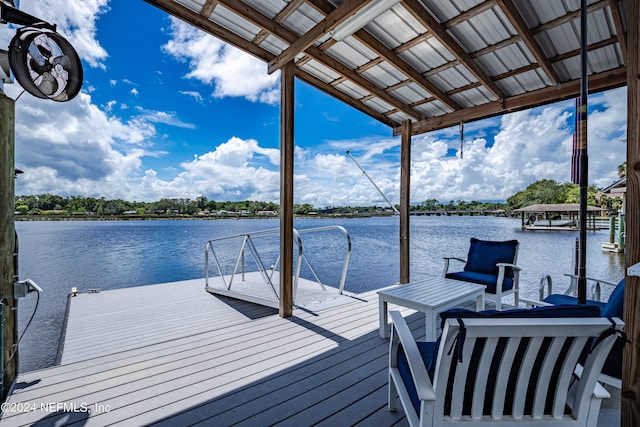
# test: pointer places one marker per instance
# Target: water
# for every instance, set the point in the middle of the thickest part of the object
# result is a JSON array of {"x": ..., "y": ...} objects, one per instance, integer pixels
[{"x": 117, "y": 254}]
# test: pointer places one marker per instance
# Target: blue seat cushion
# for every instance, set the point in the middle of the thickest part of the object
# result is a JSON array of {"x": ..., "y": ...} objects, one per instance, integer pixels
[
  {"x": 427, "y": 351},
  {"x": 489, "y": 280},
  {"x": 560, "y": 299},
  {"x": 485, "y": 254}
]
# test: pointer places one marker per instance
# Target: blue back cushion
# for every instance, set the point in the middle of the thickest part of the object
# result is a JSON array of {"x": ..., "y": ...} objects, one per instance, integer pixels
[
  {"x": 429, "y": 350},
  {"x": 426, "y": 350},
  {"x": 484, "y": 255},
  {"x": 615, "y": 304},
  {"x": 558, "y": 311},
  {"x": 552, "y": 311}
]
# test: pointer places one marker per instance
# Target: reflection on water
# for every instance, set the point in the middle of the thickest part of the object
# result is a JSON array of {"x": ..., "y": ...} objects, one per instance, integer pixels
[{"x": 116, "y": 254}]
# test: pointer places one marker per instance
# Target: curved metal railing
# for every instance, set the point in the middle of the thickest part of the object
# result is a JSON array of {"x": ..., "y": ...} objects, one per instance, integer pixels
[{"x": 247, "y": 244}]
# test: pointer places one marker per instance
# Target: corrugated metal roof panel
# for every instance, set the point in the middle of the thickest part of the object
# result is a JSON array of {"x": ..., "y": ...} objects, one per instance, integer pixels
[
  {"x": 353, "y": 90},
  {"x": 432, "y": 109},
  {"x": 226, "y": 18},
  {"x": 195, "y": 5},
  {"x": 425, "y": 56},
  {"x": 320, "y": 71},
  {"x": 268, "y": 8},
  {"x": 378, "y": 105},
  {"x": 382, "y": 75},
  {"x": 351, "y": 53},
  {"x": 481, "y": 28},
  {"x": 405, "y": 26},
  {"x": 273, "y": 44},
  {"x": 410, "y": 93}
]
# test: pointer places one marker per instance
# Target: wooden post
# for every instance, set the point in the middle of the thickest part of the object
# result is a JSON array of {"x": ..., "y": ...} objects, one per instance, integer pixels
[
  {"x": 405, "y": 178},
  {"x": 286, "y": 190},
  {"x": 7, "y": 240},
  {"x": 631, "y": 358}
]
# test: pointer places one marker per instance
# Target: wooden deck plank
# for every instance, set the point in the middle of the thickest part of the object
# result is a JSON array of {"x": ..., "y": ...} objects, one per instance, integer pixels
[{"x": 228, "y": 362}]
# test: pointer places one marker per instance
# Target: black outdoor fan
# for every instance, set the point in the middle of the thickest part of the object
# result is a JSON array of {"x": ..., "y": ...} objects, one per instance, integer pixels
[{"x": 43, "y": 62}]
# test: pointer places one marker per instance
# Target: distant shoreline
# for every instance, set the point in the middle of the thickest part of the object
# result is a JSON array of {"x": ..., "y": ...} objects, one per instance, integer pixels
[{"x": 27, "y": 218}]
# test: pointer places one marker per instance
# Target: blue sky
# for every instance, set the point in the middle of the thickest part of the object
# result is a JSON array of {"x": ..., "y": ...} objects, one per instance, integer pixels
[{"x": 168, "y": 111}]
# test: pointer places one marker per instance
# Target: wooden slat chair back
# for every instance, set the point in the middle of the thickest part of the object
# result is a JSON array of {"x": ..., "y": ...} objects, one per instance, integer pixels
[{"x": 503, "y": 371}]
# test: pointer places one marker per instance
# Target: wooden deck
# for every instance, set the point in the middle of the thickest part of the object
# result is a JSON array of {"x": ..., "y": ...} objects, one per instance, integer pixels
[{"x": 173, "y": 354}]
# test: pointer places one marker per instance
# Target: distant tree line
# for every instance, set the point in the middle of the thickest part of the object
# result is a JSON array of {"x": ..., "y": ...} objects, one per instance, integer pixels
[
  {"x": 544, "y": 191},
  {"x": 49, "y": 204}
]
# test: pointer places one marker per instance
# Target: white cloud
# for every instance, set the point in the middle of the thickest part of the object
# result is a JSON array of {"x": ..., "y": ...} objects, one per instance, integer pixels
[
  {"x": 232, "y": 72},
  {"x": 193, "y": 94},
  {"x": 78, "y": 148},
  {"x": 76, "y": 21},
  {"x": 168, "y": 118}
]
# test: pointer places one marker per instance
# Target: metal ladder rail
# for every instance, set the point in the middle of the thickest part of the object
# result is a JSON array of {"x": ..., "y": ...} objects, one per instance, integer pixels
[
  {"x": 248, "y": 243},
  {"x": 209, "y": 248},
  {"x": 345, "y": 264}
]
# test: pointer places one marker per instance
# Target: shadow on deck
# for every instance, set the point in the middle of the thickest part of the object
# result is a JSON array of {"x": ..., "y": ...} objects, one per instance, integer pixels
[{"x": 218, "y": 362}]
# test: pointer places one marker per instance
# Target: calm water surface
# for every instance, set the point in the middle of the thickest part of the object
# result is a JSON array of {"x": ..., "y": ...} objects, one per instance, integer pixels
[{"x": 118, "y": 254}]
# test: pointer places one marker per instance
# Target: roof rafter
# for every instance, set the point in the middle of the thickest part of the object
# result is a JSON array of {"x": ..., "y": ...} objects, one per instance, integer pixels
[
  {"x": 394, "y": 59},
  {"x": 207, "y": 8},
  {"x": 331, "y": 21},
  {"x": 440, "y": 33},
  {"x": 617, "y": 19},
  {"x": 514, "y": 17},
  {"x": 613, "y": 78},
  {"x": 199, "y": 21},
  {"x": 290, "y": 37}
]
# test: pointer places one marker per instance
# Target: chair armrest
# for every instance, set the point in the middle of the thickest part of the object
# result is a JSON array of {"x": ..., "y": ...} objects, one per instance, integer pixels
[
  {"x": 595, "y": 287},
  {"x": 599, "y": 392},
  {"x": 446, "y": 263},
  {"x": 401, "y": 334},
  {"x": 534, "y": 303},
  {"x": 506, "y": 264}
]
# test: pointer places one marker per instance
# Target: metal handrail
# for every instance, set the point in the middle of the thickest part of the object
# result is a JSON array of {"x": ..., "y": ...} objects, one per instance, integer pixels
[
  {"x": 247, "y": 243},
  {"x": 573, "y": 286}
]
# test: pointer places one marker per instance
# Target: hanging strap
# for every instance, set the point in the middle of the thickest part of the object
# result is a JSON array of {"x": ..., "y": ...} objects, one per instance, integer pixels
[
  {"x": 458, "y": 342},
  {"x": 611, "y": 331},
  {"x": 461, "y": 127}
]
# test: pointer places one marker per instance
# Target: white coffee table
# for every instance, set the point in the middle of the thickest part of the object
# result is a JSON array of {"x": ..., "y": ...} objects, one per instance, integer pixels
[{"x": 430, "y": 296}]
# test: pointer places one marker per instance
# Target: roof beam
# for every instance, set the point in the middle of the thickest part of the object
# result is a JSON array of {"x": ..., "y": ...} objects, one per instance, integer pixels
[
  {"x": 290, "y": 37},
  {"x": 516, "y": 20},
  {"x": 439, "y": 32},
  {"x": 199, "y": 21},
  {"x": 332, "y": 20},
  {"x": 609, "y": 79},
  {"x": 330, "y": 90},
  {"x": 207, "y": 8},
  {"x": 617, "y": 20},
  {"x": 394, "y": 59}
]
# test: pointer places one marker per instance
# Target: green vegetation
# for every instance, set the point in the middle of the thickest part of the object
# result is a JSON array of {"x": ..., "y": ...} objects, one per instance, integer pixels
[
  {"x": 544, "y": 191},
  {"x": 547, "y": 191}
]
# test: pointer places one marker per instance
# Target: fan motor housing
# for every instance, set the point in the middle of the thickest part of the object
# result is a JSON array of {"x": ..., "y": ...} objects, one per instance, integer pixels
[{"x": 45, "y": 64}]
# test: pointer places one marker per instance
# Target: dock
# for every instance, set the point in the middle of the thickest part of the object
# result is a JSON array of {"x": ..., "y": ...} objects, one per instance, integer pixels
[{"x": 174, "y": 354}]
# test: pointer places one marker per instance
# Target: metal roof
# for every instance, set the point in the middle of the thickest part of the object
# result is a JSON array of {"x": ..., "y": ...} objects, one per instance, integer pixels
[
  {"x": 562, "y": 207},
  {"x": 434, "y": 62}
]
